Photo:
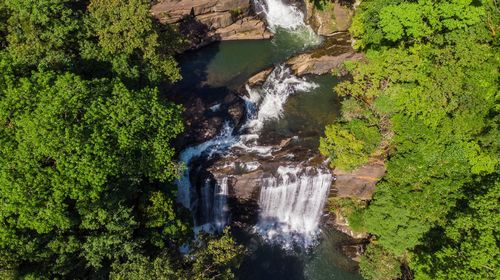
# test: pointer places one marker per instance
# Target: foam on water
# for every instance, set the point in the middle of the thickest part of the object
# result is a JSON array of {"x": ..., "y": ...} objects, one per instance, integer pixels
[
  {"x": 219, "y": 143},
  {"x": 287, "y": 21},
  {"x": 272, "y": 96},
  {"x": 291, "y": 205}
]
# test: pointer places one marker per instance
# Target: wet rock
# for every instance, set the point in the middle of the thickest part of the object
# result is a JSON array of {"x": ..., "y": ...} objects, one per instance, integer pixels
[
  {"x": 202, "y": 22},
  {"x": 259, "y": 78},
  {"x": 205, "y": 113}
]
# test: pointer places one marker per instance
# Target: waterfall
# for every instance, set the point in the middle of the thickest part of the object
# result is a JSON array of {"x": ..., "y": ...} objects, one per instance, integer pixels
[
  {"x": 291, "y": 205},
  {"x": 213, "y": 212},
  {"x": 209, "y": 197},
  {"x": 272, "y": 96},
  {"x": 279, "y": 14},
  {"x": 287, "y": 18},
  {"x": 220, "y": 205}
]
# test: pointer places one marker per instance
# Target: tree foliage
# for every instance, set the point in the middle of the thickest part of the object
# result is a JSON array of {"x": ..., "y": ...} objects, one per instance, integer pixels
[
  {"x": 431, "y": 79},
  {"x": 86, "y": 158}
]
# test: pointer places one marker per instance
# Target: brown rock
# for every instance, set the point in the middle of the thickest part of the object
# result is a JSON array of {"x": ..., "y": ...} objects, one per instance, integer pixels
[
  {"x": 359, "y": 183},
  {"x": 336, "y": 50},
  {"x": 172, "y": 11},
  {"x": 248, "y": 28},
  {"x": 202, "y": 22},
  {"x": 259, "y": 78}
]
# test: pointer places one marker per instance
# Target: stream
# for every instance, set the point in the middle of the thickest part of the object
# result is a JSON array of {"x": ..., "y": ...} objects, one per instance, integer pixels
[{"x": 262, "y": 174}]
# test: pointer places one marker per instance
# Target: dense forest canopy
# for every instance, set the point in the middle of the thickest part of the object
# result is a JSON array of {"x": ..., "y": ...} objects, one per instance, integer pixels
[
  {"x": 86, "y": 158},
  {"x": 87, "y": 165},
  {"x": 427, "y": 96}
]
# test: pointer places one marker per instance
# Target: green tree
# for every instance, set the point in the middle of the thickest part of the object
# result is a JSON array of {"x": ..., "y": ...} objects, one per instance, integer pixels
[
  {"x": 86, "y": 158},
  {"x": 467, "y": 246},
  {"x": 378, "y": 264},
  {"x": 123, "y": 31},
  {"x": 431, "y": 80}
]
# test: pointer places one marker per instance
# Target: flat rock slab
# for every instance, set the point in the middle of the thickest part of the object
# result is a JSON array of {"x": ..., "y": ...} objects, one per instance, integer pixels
[
  {"x": 359, "y": 183},
  {"x": 172, "y": 11}
]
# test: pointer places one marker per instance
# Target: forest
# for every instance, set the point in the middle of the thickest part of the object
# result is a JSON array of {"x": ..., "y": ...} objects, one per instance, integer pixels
[
  {"x": 89, "y": 166},
  {"x": 429, "y": 96}
]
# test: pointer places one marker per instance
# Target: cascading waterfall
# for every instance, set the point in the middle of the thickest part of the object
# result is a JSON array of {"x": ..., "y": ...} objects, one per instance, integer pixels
[
  {"x": 291, "y": 205},
  {"x": 272, "y": 96},
  {"x": 281, "y": 15}
]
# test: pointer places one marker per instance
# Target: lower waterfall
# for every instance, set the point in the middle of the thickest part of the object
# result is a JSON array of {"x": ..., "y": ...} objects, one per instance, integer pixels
[{"x": 291, "y": 205}]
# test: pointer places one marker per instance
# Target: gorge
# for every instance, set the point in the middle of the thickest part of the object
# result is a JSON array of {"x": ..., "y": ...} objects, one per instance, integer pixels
[{"x": 261, "y": 172}]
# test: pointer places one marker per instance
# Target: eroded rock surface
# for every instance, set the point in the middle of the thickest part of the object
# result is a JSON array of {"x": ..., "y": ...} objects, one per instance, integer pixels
[{"x": 205, "y": 21}]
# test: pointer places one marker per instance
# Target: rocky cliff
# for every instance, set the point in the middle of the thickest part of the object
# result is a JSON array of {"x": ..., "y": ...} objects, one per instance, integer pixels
[{"x": 205, "y": 21}]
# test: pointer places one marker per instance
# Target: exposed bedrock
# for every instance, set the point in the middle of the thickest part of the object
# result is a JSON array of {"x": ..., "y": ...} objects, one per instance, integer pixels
[
  {"x": 205, "y": 21},
  {"x": 205, "y": 113},
  {"x": 334, "y": 51},
  {"x": 335, "y": 17},
  {"x": 358, "y": 184}
]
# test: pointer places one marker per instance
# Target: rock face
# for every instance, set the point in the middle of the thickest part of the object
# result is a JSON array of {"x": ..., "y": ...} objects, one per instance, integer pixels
[
  {"x": 204, "y": 21},
  {"x": 335, "y": 17},
  {"x": 335, "y": 50},
  {"x": 205, "y": 113},
  {"x": 360, "y": 183}
]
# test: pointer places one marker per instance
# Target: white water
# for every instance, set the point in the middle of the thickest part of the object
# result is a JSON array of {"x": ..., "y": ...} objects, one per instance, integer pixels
[
  {"x": 271, "y": 98},
  {"x": 213, "y": 146},
  {"x": 279, "y": 14},
  {"x": 220, "y": 209},
  {"x": 213, "y": 202},
  {"x": 292, "y": 202},
  {"x": 291, "y": 205},
  {"x": 287, "y": 18}
]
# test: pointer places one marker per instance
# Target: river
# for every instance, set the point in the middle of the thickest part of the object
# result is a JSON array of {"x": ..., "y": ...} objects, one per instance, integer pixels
[{"x": 284, "y": 238}]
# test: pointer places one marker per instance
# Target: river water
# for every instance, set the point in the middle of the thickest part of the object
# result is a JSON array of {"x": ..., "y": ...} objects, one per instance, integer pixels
[{"x": 286, "y": 242}]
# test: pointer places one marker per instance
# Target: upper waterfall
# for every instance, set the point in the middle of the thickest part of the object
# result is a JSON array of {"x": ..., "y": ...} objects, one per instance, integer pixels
[
  {"x": 282, "y": 15},
  {"x": 288, "y": 19}
]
